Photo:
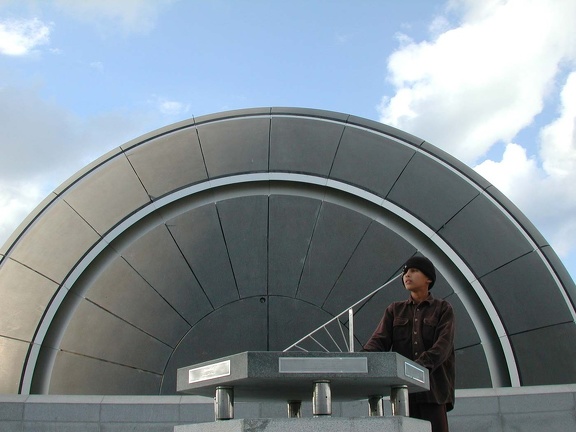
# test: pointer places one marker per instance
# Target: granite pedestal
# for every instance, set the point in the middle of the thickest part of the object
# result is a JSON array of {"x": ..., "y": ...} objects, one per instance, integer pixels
[
  {"x": 297, "y": 376},
  {"x": 330, "y": 424}
]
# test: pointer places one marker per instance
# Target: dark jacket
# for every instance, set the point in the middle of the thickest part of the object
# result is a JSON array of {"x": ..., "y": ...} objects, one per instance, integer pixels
[{"x": 424, "y": 333}]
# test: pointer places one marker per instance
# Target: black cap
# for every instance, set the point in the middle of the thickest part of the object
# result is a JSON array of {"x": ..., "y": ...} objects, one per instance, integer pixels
[{"x": 424, "y": 265}]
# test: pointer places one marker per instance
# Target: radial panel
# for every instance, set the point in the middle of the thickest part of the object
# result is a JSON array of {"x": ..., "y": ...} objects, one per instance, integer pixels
[
  {"x": 168, "y": 162},
  {"x": 159, "y": 261},
  {"x": 484, "y": 236},
  {"x": 21, "y": 311},
  {"x": 198, "y": 234},
  {"x": 245, "y": 226},
  {"x": 369, "y": 161},
  {"x": 55, "y": 242},
  {"x": 292, "y": 221},
  {"x": 434, "y": 201},
  {"x": 233, "y": 146},
  {"x": 120, "y": 290},
  {"x": 541, "y": 362},
  {"x": 298, "y": 145},
  {"x": 96, "y": 333},
  {"x": 106, "y": 195},
  {"x": 335, "y": 238},
  {"x": 537, "y": 295},
  {"x": 76, "y": 374}
]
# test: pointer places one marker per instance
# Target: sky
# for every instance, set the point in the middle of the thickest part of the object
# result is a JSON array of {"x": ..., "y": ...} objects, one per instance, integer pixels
[{"x": 491, "y": 82}]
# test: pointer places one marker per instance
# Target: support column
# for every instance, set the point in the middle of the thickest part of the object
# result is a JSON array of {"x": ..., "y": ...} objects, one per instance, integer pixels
[
  {"x": 294, "y": 407},
  {"x": 224, "y": 403},
  {"x": 399, "y": 401},
  {"x": 376, "y": 406},
  {"x": 322, "y": 399}
]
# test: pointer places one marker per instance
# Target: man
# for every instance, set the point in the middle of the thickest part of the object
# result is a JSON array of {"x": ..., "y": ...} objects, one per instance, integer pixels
[{"x": 422, "y": 329}]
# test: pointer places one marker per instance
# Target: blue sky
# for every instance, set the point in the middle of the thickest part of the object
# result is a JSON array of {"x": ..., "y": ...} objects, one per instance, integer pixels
[{"x": 491, "y": 82}]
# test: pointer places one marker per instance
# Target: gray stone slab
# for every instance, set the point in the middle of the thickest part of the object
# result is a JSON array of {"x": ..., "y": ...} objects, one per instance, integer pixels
[
  {"x": 330, "y": 424},
  {"x": 272, "y": 375},
  {"x": 60, "y": 427}
]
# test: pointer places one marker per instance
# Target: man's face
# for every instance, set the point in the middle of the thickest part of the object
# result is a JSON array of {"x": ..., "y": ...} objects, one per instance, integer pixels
[{"x": 415, "y": 280}]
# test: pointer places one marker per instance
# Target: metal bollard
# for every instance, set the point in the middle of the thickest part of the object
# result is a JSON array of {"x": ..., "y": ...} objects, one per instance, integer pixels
[
  {"x": 294, "y": 407},
  {"x": 399, "y": 401},
  {"x": 224, "y": 403},
  {"x": 322, "y": 399},
  {"x": 376, "y": 406}
]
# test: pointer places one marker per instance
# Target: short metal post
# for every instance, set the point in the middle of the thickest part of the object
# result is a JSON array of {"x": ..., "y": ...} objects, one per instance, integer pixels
[
  {"x": 351, "y": 330},
  {"x": 224, "y": 403},
  {"x": 399, "y": 401},
  {"x": 322, "y": 399},
  {"x": 376, "y": 406},
  {"x": 294, "y": 407}
]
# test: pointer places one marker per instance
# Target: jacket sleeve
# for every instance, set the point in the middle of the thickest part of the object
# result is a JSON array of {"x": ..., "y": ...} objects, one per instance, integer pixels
[
  {"x": 381, "y": 339},
  {"x": 443, "y": 345}
]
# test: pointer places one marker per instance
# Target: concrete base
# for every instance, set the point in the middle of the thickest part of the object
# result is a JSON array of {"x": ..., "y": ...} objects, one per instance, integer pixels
[{"x": 318, "y": 424}]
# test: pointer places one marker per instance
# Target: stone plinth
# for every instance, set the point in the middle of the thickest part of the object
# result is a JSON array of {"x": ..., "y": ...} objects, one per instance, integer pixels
[
  {"x": 329, "y": 424},
  {"x": 270, "y": 375}
]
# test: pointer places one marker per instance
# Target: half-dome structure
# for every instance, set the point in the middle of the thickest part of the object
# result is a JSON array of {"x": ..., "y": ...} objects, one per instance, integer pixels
[{"x": 246, "y": 230}]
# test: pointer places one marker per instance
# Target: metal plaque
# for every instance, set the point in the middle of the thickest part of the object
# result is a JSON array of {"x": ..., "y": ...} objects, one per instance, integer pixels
[
  {"x": 323, "y": 365},
  {"x": 414, "y": 372},
  {"x": 208, "y": 372}
]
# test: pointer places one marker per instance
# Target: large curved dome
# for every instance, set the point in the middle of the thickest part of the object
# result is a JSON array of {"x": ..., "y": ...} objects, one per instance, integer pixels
[{"x": 246, "y": 230}]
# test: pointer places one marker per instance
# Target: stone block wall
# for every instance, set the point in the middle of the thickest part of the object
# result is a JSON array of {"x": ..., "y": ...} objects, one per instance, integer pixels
[{"x": 526, "y": 409}]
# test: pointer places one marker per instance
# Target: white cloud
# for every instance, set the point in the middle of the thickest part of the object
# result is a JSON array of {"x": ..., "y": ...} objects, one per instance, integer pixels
[
  {"x": 17, "y": 200},
  {"x": 134, "y": 16},
  {"x": 483, "y": 80},
  {"x": 20, "y": 37},
  {"x": 44, "y": 144},
  {"x": 173, "y": 108},
  {"x": 558, "y": 148}
]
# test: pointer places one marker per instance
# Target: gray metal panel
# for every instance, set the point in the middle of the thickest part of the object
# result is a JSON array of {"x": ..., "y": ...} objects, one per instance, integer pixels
[
  {"x": 96, "y": 333},
  {"x": 484, "y": 237},
  {"x": 561, "y": 272},
  {"x": 370, "y": 161},
  {"x": 309, "y": 112},
  {"x": 292, "y": 221},
  {"x": 108, "y": 194},
  {"x": 472, "y": 368},
  {"x": 335, "y": 238},
  {"x": 199, "y": 237},
  {"x": 378, "y": 257},
  {"x": 76, "y": 374},
  {"x": 236, "y": 327},
  {"x": 385, "y": 129},
  {"x": 292, "y": 319},
  {"x": 13, "y": 354},
  {"x": 466, "y": 334},
  {"x": 55, "y": 242},
  {"x": 158, "y": 260},
  {"x": 232, "y": 114},
  {"x": 169, "y": 162},
  {"x": 122, "y": 291},
  {"x": 429, "y": 191},
  {"x": 22, "y": 312},
  {"x": 511, "y": 208},
  {"x": 546, "y": 356},
  {"x": 456, "y": 164},
  {"x": 245, "y": 225},
  {"x": 303, "y": 145},
  {"x": 525, "y": 295},
  {"x": 234, "y": 146}
]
